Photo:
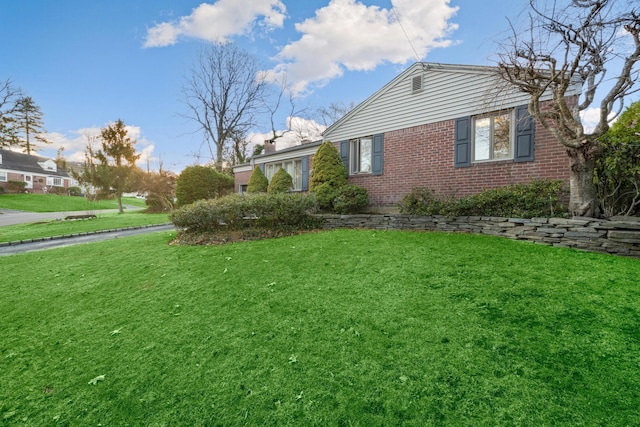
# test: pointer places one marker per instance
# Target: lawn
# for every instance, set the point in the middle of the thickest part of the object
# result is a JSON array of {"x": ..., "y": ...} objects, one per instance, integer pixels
[
  {"x": 104, "y": 221},
  {"x": 56, "y": 203},
  {"x": 339, "y": 328}
]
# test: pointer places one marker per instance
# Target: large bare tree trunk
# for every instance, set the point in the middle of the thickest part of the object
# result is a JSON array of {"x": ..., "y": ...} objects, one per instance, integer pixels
[{"x": 582, "y": 161}]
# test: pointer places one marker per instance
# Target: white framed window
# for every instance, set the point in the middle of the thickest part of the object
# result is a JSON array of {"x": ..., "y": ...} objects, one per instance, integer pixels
[
  {"x": 361, "y": 155},
  {"x": 3, "y": 176},
  {"x": 493, "y": 137},
  {"x": 293, "y": 168},
  {"x": 55, "y": 181}
]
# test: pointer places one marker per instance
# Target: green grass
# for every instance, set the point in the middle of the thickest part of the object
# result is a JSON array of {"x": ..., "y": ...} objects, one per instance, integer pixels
[
  {"x": 104, "y": 221},
  {"x": 56, "y": 203},
  {"x": 339, "y": 328}
]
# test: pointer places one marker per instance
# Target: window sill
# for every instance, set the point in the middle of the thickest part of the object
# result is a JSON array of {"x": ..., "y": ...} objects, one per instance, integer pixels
[{"x": 480, "y": 162}]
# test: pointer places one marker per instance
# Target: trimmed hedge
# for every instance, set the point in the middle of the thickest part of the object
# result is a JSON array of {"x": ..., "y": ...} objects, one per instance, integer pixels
[
  {"x": 539, "y": 198},
  {"x": 237, "y": 212}
]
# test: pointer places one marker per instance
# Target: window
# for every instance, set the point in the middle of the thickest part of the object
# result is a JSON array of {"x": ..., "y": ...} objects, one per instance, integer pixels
[
  {"x": 363, "y": 155},
  {"x": 492, "y": 137},
  {"x": 360, "y": 155},
  {"x": 293, "y": 168},
  {"x": 55, "y": 181},
  {"x": 3, "y": 176},
  {"x": 504, "y": 135}
]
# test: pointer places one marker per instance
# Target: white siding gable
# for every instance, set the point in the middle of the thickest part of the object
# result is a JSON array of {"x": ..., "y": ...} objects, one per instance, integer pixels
[
  {"x": 448, "y": 92},
  {"x": 49, "y": 165}
]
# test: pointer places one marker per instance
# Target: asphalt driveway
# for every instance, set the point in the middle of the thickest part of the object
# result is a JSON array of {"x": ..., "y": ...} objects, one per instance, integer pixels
[
  {"x": 59, "y": 242},
  {"x": 9, "y": 217}
]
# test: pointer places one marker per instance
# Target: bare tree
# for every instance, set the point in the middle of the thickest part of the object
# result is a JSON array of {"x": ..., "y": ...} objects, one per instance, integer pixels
[
  {"x": 334, "y": 112},
  {"x": 592, "y": 43},
  {"x": 223, "y": 94}
]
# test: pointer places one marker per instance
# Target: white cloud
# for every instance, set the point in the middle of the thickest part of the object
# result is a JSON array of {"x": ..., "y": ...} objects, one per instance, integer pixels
[
  {"x": 349, "y": 35},
  {"x": 218, "y": 21},
  {"x": 591, "y": 116},
  {"x": 74, "y": 144},
  {"x": 300, "y": 128}
]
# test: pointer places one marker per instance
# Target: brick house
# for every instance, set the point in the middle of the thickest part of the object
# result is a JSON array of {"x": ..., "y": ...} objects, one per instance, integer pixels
[
  {"x": 40, "y": 174},
  {"x": 455, "y": 129},
  {"x": 296, "y": 161}
]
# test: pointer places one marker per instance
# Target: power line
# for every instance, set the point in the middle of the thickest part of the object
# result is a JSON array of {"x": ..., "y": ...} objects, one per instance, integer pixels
[{"x": 405, "y": 33}]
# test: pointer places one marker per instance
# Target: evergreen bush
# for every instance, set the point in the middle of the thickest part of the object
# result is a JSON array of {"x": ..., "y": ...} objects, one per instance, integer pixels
[
  {"x": 328, "y": 175},
  {"x": 197, "y": 183},
  {"x": 617, "y": 171},
  {"x": 281, "y": 182},
  {"x": 350, "y": 199},
  {"x": 258, "y": 183}
]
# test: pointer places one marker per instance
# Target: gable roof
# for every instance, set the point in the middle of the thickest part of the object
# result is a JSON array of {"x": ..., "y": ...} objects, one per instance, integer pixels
[
  {"x": 20, "y": 162},
  {"x": 446, "y": 92}
]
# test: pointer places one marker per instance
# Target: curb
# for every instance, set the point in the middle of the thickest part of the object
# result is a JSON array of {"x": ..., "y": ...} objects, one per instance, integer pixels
[{"x": 86, "y": 233}]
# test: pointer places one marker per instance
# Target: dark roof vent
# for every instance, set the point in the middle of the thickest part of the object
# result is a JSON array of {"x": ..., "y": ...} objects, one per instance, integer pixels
[{"x": 416, "y": 84}]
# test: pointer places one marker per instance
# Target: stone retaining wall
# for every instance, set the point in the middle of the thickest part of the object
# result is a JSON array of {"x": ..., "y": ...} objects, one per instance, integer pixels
[{"x": 619, "y": 235}]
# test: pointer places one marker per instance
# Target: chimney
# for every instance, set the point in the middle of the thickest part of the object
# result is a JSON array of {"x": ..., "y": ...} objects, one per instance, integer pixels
[{"x": 269, "y": 146}]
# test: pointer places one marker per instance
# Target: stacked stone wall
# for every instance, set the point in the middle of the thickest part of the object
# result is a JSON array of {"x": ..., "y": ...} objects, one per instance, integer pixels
[{"x": 618, "y": 235}]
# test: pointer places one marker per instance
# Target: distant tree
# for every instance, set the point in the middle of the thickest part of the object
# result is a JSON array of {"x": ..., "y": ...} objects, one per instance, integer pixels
[
  {"x": 28, "y": 123},
  {"x": 160, "y": 190},
  {"x": 257, "y": 150},
  {"x": 281, "y": 182},
  {"x": 8, "y": 97},
  {"x": 112, "y": 167},
  {"x": 618, "y": 169},
  {"x": 328, "y": 175},
  {"x": 593, "y": 43},
  {"x": 223, "y": 93}
]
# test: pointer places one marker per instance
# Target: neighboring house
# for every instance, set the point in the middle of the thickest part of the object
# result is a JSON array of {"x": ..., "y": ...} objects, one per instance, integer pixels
[
  {"x": 40, "y": 174},
  {"x": 297, "y": 161},
  {"x": 455, "y": 129}
]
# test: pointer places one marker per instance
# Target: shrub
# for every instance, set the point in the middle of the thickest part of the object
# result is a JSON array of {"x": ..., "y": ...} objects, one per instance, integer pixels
[
  {"x": 350, "y": 199},
  {"x": 539, "y": 198},
  {"x": 421, "y": 201},
  {"x": 237, "y": 212},
  {"x": 281, "y": 182},
  {"x": 201, "y": 182},
  {"x": 74, "y": 191},
  {"x": 617, "y": 171},
  {"x": 328, "y": 175},
  {"x": 16, "y": 186},
  {"x": 258, "y": 183},
  {"x": 60, "y": 191}
]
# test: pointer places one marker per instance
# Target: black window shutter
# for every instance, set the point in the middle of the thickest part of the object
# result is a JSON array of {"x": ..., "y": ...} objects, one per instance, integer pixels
[
  {"x": 344, "y": 154},
  {"x": 378, "y": 154},
  {"x": 462, "y": 142},
  {"x": 525, "y": 135},
  {"x": 305, "y": 173}
]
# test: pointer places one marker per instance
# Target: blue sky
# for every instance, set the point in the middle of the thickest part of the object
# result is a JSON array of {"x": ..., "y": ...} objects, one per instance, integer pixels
[{"x": 89, "y": 63}]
